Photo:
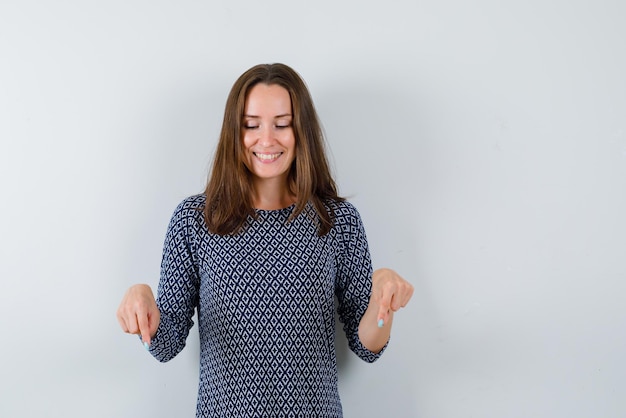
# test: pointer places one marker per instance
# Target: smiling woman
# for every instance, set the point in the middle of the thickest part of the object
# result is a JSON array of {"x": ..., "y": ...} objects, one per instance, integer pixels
[
  {"x": 230, "y": 190},
  {"x": 261, "y": 256}
]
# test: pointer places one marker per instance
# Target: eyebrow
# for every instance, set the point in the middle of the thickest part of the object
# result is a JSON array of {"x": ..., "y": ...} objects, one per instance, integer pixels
[{"x": 275, "y": 117}]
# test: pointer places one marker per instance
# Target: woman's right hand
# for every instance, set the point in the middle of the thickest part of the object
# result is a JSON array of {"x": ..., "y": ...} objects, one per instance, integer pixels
[{"x": 138, "y": 313}]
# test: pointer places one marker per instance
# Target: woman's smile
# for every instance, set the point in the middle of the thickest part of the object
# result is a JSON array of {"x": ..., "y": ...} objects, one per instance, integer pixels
[{"x": 267, "y": 158}]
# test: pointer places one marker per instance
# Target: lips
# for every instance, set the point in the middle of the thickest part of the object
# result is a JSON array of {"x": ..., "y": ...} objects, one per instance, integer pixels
[{"x": 267, "y": 157}]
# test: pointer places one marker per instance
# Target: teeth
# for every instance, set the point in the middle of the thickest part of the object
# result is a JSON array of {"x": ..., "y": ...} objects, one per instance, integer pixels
[{"x": 267, "y": 157}]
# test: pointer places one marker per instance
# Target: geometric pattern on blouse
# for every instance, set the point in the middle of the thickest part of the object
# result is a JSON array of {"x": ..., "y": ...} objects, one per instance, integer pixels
[{"x": 265, "y": 300}]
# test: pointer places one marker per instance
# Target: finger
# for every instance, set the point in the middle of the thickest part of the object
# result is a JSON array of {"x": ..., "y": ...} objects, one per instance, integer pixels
[
  {"x": 395, "y": 302},
  {"x": 383, "y": 309},
  {"x": 144, "y": 326},
  {"x": 128, "y": 321},
  {"x": 126, "y": 316},
  {"x": 401, "y": 298},
  {"x": 406, "y": 295},
  {"x": 121, "y": 320}
]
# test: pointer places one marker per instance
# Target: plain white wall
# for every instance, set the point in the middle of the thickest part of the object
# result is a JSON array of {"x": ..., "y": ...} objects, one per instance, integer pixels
[{"x": 483, "y": 142}]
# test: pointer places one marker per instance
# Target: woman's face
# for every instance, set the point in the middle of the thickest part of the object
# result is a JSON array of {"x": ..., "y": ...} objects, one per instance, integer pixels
[{"x": 268, "y": 137}]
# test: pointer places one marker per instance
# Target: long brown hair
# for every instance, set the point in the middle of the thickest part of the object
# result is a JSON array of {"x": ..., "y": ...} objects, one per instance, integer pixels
[{"x": 229, "y": 188}]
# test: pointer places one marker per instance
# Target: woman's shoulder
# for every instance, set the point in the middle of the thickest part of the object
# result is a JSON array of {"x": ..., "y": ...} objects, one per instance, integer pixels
[
  {"x": 193, "y": 202},
  {"x": 344, "y": 212},
  {"x": 191, "y": 206}
]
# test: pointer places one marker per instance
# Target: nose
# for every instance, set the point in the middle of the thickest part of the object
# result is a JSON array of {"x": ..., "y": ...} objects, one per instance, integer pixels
[{"x": 266, "y": 135}]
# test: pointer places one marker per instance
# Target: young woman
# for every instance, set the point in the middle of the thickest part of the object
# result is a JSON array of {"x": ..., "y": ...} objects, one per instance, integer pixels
[{"x": 261, "y": 255}]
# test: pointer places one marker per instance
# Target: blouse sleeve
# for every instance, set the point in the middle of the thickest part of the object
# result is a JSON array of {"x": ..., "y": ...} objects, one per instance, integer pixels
[
  {"x": 177, "y": 295},
  {"x": 354, "y": 277}
]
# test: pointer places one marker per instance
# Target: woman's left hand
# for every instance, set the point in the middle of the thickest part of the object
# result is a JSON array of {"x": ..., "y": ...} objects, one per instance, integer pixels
[{"x": 390, "y": 292}]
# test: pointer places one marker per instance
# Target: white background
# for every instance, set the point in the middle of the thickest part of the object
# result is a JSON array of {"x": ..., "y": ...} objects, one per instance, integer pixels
[{"x": 483, "y": 142}]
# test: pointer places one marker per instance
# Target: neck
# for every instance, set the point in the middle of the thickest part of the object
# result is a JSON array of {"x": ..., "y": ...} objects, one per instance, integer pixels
[{"x": 272, "y": 196}]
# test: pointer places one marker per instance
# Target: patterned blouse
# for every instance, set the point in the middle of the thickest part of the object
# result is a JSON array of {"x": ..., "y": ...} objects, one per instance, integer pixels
[{"x": 265, "y": 300}]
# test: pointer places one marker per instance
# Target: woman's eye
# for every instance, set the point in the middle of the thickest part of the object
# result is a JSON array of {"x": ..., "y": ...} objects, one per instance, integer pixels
[
  {"x": 283, "y": 126},
  {"x": 250, "y": 126}
]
